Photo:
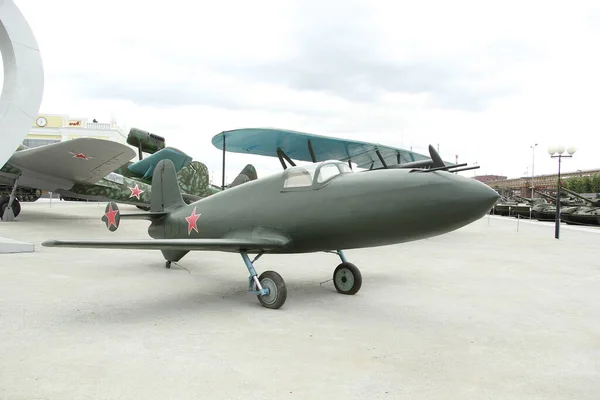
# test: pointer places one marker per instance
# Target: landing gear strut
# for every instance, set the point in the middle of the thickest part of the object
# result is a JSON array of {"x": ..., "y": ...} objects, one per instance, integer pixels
[
  {"x": 347, "y": 278},
  {"x": 10, "y": 206},
  {"x": 269, "y": 287}
]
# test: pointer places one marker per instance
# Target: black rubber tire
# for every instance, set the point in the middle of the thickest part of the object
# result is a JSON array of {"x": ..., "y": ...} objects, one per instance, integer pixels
[
  {"x": 168, "y": 264},
  {"x": 16, "y": 207},
  {"x": 3, "y": 205},
  {"x": 347, "y": 278},
  {"x": 276, "y": 285}
]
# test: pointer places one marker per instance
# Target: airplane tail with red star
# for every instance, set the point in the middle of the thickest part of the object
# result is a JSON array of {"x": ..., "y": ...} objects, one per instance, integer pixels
[{"x": 165, "y": 198}]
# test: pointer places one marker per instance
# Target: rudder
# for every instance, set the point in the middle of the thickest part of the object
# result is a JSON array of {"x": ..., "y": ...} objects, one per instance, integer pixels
[
  {"x": 165, "y": 194},
  {"x": 193, "y": 179},
  {"x": 248, "y": 174}
]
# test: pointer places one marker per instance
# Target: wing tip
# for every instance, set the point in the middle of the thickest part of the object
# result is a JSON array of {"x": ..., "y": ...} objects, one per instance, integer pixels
[{"x": 50, "y": 243}]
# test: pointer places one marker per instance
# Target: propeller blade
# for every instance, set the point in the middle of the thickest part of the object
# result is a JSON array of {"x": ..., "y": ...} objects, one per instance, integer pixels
[{"x": 435, "y": 157}]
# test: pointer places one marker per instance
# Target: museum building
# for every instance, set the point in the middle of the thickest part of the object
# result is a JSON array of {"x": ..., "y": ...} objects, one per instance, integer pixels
[{"x": 54, "y": 128}]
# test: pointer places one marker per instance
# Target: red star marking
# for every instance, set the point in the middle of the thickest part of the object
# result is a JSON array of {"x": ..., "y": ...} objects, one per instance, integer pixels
[
  {"x": 110, "y": 216},
  {"x": 80, "y": 155},
  {"x": 191, "y": 220},
  {"x": 135, "y": 191}
]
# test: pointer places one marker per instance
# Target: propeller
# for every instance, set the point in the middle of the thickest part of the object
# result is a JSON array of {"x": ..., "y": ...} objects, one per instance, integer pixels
[
  {"x": 437, "y": 164},
  {"x": 435, "y": 157}
]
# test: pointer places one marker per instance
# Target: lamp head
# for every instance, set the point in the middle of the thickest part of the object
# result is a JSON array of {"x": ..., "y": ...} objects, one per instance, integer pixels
[
  {"x": 552, "y": 149},
  {"x": 571, "y": 150},
  {"x": 560, "y": 149}
]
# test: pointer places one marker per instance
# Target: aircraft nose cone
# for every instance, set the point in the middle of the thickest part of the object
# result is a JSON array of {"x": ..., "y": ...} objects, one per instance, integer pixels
[{"x": 472, "y": 198}]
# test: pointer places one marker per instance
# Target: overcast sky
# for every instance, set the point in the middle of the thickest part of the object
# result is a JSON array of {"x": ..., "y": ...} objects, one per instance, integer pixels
[{"x": 483, "y": 80}]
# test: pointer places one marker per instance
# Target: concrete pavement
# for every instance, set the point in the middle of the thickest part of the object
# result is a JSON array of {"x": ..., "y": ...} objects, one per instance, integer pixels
[{"x": 485, "y": 312}]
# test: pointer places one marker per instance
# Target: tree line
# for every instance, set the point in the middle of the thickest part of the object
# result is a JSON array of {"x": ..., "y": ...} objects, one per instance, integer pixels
[{"x": 583, "y": 184}]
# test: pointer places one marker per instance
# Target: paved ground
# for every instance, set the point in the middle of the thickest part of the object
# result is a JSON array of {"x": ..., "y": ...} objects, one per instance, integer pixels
[{"x": 485, "y": 312}]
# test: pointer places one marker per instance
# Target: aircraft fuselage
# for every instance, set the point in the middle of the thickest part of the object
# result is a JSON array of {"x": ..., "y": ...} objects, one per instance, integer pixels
[{"x": 352, "y": 210}]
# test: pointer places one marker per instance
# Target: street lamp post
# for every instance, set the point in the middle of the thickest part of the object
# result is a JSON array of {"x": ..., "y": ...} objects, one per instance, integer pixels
[
  {"x": 532, "y": 167},
  {"x": 557, "y": 152}
]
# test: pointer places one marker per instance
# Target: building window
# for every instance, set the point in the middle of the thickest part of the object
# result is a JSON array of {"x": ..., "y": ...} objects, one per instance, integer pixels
[{"x": 31, "y": 143}]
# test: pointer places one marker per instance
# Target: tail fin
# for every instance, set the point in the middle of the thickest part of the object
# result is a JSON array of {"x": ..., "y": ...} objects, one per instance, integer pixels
[
  {"x": 193, "y": 179},
  {"x": 247, "y": 174},
  {"x": 165, "y": 194}
]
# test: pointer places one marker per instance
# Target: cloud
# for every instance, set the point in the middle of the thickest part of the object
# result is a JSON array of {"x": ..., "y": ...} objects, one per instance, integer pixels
[
  {"x": 484, "y": 81},
  {"x": 341, "y": 50}
]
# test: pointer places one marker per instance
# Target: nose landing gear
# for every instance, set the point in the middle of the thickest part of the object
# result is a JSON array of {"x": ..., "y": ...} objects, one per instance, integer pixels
[{"x": 347, "y": 278}]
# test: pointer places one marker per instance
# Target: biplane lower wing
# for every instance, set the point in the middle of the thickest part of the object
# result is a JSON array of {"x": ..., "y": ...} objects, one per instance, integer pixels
[{"x": 309, "y": 147}]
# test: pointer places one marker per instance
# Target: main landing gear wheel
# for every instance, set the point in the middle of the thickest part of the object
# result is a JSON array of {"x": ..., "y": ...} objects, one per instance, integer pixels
[
  {"x": 168, "y": 264},
  {"x": 277, "y": 290},
  {"x": 16, "y": 206},
  {"x": 347, "y": 278}
]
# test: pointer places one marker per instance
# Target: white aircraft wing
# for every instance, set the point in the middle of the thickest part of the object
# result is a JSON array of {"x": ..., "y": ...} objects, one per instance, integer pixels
[{"x": 61, "y": 165}]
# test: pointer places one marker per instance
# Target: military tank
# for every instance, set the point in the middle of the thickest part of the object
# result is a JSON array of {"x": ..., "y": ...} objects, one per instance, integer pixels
[
  {"x": 586, "y": 214},
  {"x": 504, "y": 206},
  {"x": 544, "y": 211},
  {"x": 525, "y": 206},
  {"x": 547, "y": 212}
]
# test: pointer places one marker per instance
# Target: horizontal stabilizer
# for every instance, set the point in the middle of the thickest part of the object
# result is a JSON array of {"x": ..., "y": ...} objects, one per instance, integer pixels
[
  {"x": 150, "y": 216},
  {"x": 112, "y": 216}
]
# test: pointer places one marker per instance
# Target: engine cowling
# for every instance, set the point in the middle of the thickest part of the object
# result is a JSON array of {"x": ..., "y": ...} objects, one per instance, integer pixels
[{"x": 145, "y": 141}]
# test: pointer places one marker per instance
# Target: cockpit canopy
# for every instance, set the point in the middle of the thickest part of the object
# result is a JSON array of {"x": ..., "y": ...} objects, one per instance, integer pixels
[{"x": 317, "y": 174}]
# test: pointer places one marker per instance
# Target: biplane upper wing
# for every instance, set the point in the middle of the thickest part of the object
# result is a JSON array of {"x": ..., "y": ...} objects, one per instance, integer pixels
[
  {"x": 309, "y": 147},
  {"x": 60, "y": 165}
]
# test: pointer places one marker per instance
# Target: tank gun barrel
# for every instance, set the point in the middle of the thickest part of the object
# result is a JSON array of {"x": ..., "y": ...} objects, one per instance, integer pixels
[
  {"x": 547, "y": 196},
  {"x": 524, "y": 199},
  {"x": 592, "y": 202}
]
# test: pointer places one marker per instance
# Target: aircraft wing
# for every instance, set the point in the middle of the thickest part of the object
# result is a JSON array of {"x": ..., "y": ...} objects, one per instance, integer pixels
[
  {"x": 299, "y": 145},
  {"x": 228, "y": 244},
  {"x": 85, "y": 160},
  {"x": 145, "y": 167}
]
